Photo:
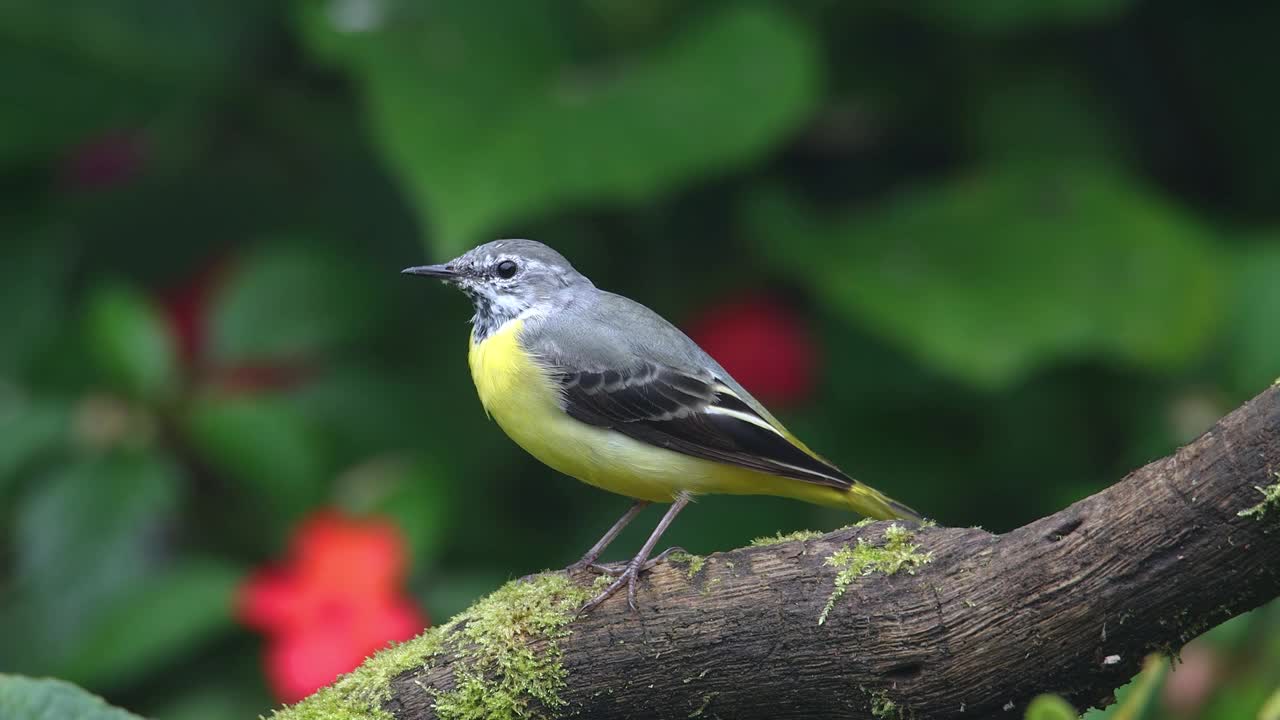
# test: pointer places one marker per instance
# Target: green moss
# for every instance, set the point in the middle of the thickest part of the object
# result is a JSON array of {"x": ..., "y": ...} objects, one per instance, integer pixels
[
  {"x": 694, "y": 565},
  {"x": 506, "y": 661},
  {"x": 1270, "y": 501},
  {"x": 860, "y": 524},
  {"x": 706, "y": 702},
  {"x": 501, "y": 675},
  {"x": 882, "y": 706},
  {"x": 898, "y": 553},
  {"x": 694, "y": 562},
  {"x": 870, "y": 520},
  {"x": 779, "y": 538}
]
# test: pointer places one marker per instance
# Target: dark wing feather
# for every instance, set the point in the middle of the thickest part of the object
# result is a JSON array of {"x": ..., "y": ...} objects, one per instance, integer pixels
[{"x": 696, "y": 416}]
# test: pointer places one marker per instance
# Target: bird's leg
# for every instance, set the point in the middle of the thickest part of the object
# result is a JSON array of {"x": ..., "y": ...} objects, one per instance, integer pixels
[
  {"x": 588, "y": 561},
  {"x": 634, "y": 568},
  {"x": 616, "y": 569}
]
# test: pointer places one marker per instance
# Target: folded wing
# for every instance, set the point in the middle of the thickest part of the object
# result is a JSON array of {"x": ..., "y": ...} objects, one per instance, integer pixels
[{"x": 698, "y": 415}]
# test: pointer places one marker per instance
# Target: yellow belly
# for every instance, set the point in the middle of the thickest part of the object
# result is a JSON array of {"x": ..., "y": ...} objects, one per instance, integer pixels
[{"x": 524, "y": 401}]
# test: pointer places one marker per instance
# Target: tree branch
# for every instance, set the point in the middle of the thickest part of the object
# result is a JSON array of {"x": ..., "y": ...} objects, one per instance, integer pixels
[{"x": 1069, "y": 603}]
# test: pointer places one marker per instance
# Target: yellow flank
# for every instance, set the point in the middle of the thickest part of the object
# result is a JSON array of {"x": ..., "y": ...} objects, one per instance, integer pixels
[{"x": 523, "y": 399}]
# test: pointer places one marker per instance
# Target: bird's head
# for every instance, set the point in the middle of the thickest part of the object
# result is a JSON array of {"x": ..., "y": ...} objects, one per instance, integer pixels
[{"x": 504, "y": 278}]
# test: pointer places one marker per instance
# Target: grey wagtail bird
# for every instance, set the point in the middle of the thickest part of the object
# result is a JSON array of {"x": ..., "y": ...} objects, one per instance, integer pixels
[{"x": 602, "y": 389}]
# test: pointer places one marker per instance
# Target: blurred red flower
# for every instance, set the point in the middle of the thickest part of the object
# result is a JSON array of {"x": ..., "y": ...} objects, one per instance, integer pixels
[
  {"x": 336, "y": 600},
  {"x": 763, "y": 344},
  {"x": 189, "y": 307}
]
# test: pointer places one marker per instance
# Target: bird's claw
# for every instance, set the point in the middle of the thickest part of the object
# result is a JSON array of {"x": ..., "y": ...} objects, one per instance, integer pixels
[
  {"x": 581, "y": 566},
  {"x": 664, "y": 555},
  {"x": 610, "y": 569},
  {"x": 631, "y": 590},
  {"x": 624, "y": 574},
  {"x": 628, "y": 577},
  {"x": 618, "y": 568}
]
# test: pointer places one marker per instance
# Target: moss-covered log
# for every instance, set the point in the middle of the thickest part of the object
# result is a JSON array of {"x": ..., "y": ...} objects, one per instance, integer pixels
[{"x": 874, "y": 620}]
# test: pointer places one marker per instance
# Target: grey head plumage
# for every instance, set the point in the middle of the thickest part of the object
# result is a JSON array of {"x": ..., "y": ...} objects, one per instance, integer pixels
[{"x": 504, "y": 278}]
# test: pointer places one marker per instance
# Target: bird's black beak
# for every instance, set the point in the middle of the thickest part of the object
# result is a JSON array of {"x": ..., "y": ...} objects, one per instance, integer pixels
[{"x": 441, "y": 272}]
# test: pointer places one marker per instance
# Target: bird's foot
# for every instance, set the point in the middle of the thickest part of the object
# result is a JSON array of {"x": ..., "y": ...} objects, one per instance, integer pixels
[
  {"x": 611, "y": 569},
  {"x": 616, "y": 569},
  {"x": 585, "y": 565},
  {"x": 627, "y": 577},
  {"x": 624, "y": 574}
]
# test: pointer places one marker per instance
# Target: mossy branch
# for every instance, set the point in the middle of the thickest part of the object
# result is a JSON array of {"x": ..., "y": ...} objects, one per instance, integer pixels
[{"x": 925, "y": 623}]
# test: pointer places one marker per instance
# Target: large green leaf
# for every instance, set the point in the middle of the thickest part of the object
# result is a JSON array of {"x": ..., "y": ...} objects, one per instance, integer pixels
[
  {"x": 24, "y": 698},
  {"x": 29, "y": 429},
  {"x": 988, "y": 276},
  {"x": 290, "y": 302},
  {"x": 264, "y": 445},
  {"x": 1254, "y": 349},
  {"x": 131, "y": 342},
  {"x": 83, "y": 67},
  {"x": 155, "y": 623},
  {"x": 84, "y": 537},
  {"x": 87, "y": 524},
  {"x": 489, "y": 123}
]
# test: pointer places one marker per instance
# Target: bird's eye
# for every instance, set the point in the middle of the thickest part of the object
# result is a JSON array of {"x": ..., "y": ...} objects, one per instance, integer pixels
[{"x": 507, "y": 269}]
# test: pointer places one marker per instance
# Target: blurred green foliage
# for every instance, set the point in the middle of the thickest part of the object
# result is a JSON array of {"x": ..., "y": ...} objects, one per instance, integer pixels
[
  {"x": 1050, "y": 707},
  {"x": 481, "y": 111},
  {"x": 48, "y": 699},
  {"x": 1037, "y": 245}
]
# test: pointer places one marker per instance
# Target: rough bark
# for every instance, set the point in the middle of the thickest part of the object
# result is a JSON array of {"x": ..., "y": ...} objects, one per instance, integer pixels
[{"x": 1069, "y": 604}]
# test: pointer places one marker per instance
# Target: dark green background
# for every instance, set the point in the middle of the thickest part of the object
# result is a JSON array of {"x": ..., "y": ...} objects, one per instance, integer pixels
[{"x": 1037, "y": 243}]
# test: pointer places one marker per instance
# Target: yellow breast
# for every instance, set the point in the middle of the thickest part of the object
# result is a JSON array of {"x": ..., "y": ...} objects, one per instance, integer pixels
[
  {"x": 505, "y": 374},
  {"x": 521, "y": 396},
  {"x": 524, "y": 400}
]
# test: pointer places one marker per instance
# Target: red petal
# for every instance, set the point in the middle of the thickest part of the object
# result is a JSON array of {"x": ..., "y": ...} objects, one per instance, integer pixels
[
  {"x": 359, "y": 556},
  {"x": 338, "y": 591},
  {"x": 267, "y": 599},
  {"x": 300, "y": 663},
  {"x": 188, "y": 307}
]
